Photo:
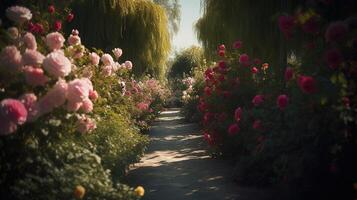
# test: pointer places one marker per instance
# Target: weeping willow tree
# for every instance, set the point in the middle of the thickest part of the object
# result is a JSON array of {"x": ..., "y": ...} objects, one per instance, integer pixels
[
  {"x": 185, "y": 62},
  {"x": 225, "y": 21},
  {"x": 139, "y": 27}
]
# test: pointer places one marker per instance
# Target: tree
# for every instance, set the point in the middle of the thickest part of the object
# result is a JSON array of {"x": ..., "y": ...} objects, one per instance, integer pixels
[{"x": 186, "y": 61}]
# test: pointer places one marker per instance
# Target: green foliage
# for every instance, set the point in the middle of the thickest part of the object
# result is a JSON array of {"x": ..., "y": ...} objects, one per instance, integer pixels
[
  {"x": 186, "y": 61},
  {"x": 140, "y": 28}
]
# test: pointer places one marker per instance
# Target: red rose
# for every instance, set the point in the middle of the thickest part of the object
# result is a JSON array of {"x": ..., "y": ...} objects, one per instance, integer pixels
[
  {"x": 286, "y": 25},
  {"x": 333, "y": 58},
  {"x": 51, "y": 9},
  {"x": 289, "y": 72},
  {"x": 307, "y": 84},
  {"x": 233, "y": 129},
  {"x": 57, "y": 25},
  {"x": 282, "y": 101},
  {"x": 336, "y": 31},
  {"x": 257, "y": 100},
  {"x": 238, "y": 114},
  {"x": 70, "y": 17}
]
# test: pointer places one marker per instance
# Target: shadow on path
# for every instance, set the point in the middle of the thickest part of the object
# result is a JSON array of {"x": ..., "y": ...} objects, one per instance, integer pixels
[{"x": 176, "y": 166}]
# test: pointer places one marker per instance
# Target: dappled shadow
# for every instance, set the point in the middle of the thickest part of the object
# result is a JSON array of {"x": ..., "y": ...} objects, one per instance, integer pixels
[{"x": 177, "y": 166}]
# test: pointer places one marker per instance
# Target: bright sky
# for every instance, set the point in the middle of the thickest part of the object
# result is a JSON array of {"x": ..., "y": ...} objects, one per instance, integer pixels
[{"x": 186, "y": 36}]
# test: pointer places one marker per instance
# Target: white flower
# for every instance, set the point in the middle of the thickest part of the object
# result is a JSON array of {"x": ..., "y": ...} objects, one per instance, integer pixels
[{"x": 18, "y": 14}]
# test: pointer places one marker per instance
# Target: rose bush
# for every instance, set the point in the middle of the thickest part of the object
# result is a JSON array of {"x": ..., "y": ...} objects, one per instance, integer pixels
[
  {"x": 64, "y": 111},
  {"x": 299, "y": 132}
]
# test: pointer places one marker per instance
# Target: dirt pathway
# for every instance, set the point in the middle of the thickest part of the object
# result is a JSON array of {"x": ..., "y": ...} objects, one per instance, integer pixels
[{"x": 177, "y": 166}]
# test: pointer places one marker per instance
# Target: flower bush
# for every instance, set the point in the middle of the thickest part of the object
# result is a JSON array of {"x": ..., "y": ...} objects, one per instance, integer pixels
[
  {"x": 69, "y": 128},
  {"x": 300, "y": 131}
]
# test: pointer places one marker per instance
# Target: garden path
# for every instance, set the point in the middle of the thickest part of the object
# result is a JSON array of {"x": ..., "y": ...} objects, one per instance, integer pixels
[{"x": 177, "y": 166}]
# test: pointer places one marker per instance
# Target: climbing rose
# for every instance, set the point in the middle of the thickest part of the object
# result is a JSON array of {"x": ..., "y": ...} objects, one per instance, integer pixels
[
  {"x": 237, "y": 44},
  {"x": 307, "y": 84},
  {"x": 233, "y": 129},
  {"x": 257, "y": 100},
  {"x": 54, "y": 98},
  {"x": 333, "y": 57},
  {"x": 30, "y": 41},
  {"x": 35, "y": 76},
  {"x": 117, "y": 52},
  {"x": 32, "y": 57},
  {"x": 94, "y": 58},
  {"x": 128, "y": 65},
  {"x": 107, "y": 59},
  {"x": 257, "y": 125},
  {"x": 18, "y": 14},
  {"x": 289, "y": 73},
  {"x": 282, "y": 101},
  {"x": 10, "y": 58},
  {"x": 57, "y": 65},
  {"x": 244, "y": 59},
  {"x": 13, "y": 110},
  {"x": 336, "y": 31},
  {"x": 55, "y": 40},
  {"x": 286, "y": 25},
  {"x": 238, "y": 114}
]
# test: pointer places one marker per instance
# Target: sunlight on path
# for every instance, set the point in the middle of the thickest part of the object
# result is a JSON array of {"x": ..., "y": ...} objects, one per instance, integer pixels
[{"x": 178, "y": 167}]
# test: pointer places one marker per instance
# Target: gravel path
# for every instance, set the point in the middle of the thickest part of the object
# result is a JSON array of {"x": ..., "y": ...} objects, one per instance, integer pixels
[{"x": 177, "y": 166}]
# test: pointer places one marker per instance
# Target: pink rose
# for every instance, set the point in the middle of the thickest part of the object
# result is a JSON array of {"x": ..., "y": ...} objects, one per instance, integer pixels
[
  {"x": 54, "y": 98},
  {"x": 117, "y": 52},
  {"x": 257, "y": 100},
  {"x": 30, "y": 102},
  {"x": 51, "y": 9},
  {"x": 233, "y": 129},
  {"x": 73, "y": 106},
  {"x": 244, "y": 59},
  {"x": 87, "y": 106},
  {"x": 128, "y": 65},
  {"x": 237, "y": 44},
  {"x": 30, "y": 41},
  {"x": 336, "y": 31},
  {"x": 222, "y": 47},
  {"x": 86, "y": 124},
  {"x": 74, "y": 40},
  {"x": 142, "y": 106},
  {"x": 35, "y": 76},
  {"x": 334, "y": 58},
  {"x": 238, "y": 114},
  {"x": 289, "y": 73},
  {"x": 93, "y": 95},
  {"x": 94, "y": 58},
  {"x": 78, "y": 89},
  {"x": 282, "y": 101},
  {"x": 107, "y": 59},
  {"x": 13, "y": 110},
  {"x": 307, "y": 84},
  {"x": 32, "y": 57},
  {"x": 55, "y": 40},
  {"x": 10, "y": 59},
  {"x": 107, "y": 70},
  {"x": 18, "y": 14},
  {"x": 57, "y": 65}
]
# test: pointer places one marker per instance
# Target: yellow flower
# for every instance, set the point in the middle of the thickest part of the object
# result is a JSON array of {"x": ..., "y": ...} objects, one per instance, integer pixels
[
  {"x": 79, "y": 192},
  {"x": 139, "y": 191}
]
